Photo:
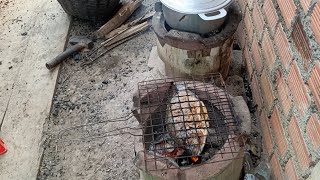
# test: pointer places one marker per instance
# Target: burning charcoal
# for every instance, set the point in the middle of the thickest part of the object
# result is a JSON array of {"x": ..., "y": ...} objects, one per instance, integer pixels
[
  {"x": 169, "y": 159},
  {"x": 184, "y": 162},
  {"x": 187, "y": 159},
  {"x": 165, "y": 146},
  {"x": 186, "y": 120}
]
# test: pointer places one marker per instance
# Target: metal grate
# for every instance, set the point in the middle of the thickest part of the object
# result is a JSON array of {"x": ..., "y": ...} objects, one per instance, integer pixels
[{"x": 187, "y": 122}]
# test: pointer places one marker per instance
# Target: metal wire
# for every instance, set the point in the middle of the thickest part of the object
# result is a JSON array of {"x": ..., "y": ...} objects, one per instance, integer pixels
[
  {"x": 172, "y": 132},
  {"x": 101, "y": 135}
]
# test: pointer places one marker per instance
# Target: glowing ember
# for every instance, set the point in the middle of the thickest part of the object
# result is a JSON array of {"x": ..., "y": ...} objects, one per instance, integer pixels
[{"x": 194, "y": 159}]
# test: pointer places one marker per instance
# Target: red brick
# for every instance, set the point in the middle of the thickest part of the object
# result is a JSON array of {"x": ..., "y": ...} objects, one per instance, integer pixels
[
  {"x": 241, "y": 35},
  {"x": 267, "y": 91},
  {"x": 278, "y": 132},
  {"x": 276, "y": 168},
  {"x": 314, "y": 83},
  {"x": 288, "y": 10},
  {"x": 315, "y": 21},
  {"x": 305, "y": 5},
  {"x": 290, "y": 171},
  {"x": 256, "y": 92},
  {"x": 248, "y": 25},
  {"x": 247, "y": 57},
  {"x": 268, "y": 51},
  {"x": 284, "y": 95},
  {"x": 301, "y": 41},
  {"x": 298, "y": 89},
  {"x": 298, "y": 144},
  {"x": 266, "y": 134},
  {"x": 258, "y": 20},
  {"x": 256, "y": 55},
  {"x": 271, "y": 15},
  {"x": 313, "y": 131},
  {"x": 283, "y": 47}
]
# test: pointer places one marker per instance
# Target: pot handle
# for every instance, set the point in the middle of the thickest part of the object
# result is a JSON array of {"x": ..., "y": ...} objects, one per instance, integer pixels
[{"x": 222, "y": 13}]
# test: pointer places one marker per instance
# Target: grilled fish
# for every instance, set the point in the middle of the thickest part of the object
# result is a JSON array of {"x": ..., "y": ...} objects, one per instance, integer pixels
[{"x": 187, "y": 120}]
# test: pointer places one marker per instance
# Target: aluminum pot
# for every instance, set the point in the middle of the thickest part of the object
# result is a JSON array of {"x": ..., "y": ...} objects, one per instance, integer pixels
[{"x": 195, "y": 20}]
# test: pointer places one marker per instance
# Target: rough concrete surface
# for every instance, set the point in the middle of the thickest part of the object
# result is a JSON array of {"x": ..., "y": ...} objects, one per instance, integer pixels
[
  {"x": 235, "y": 85},
  {"x": 155, "y": 62},
  {"x": 242, "y": 111},
  {"x": 31, "y": 33},
  {"x": 315, "y": 173},
  {"x": 95, "y": 93}
]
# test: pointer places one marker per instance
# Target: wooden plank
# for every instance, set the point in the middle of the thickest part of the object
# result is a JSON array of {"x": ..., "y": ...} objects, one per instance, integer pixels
[{"x": 28, "y": 87}]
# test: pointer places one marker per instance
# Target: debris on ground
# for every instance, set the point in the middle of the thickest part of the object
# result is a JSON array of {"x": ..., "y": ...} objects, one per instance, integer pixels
[{"x": 3, "y": 148}]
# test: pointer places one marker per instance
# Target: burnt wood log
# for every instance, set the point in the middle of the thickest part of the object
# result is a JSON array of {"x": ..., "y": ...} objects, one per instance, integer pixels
[{"x": 122, "y": 15}]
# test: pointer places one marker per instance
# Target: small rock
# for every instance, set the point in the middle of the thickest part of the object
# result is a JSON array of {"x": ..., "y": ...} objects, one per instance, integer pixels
[
  {"x": 55, "y": 112},
  {"x": 10, "y": 67},
  {"x": 235, "y": 86},
  {"x": 77, "y": 57},
  {"x": 24, "y": 34},
  {"x": 92, "y": 80},
  {"x": 76, "y": 39},
  {"x": 105, "y": 82}
]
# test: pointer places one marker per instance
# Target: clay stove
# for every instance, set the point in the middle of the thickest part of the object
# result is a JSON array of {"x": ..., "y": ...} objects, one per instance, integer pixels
[
  {"x": 186, "y": 53},
  {"x": 221, "y": 157}
]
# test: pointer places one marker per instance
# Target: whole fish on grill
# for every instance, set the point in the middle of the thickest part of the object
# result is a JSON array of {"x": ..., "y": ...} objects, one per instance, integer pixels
[{"x": 187, "y": 120}]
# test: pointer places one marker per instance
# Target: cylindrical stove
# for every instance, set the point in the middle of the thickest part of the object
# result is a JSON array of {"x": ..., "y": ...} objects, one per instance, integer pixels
[
  {"x": 187, "y": 54},
  {"x": 216, "y": 149}
]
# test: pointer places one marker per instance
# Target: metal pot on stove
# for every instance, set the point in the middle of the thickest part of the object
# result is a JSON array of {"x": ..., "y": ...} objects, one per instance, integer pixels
[{"x": 196, "y": 16}]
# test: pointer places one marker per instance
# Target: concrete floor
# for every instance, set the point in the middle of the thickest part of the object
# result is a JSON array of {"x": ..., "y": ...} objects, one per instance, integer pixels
[
  {"x": 27, "y": 87},
  {"x": 31, "y": 33}
]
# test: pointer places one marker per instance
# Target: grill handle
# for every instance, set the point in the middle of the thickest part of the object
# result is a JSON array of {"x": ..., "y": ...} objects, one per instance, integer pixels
[{"x": 222, "y": 14}]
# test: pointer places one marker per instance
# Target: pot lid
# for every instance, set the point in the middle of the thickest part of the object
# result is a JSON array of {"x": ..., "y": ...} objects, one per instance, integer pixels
[{"x": 196, "y": 6}]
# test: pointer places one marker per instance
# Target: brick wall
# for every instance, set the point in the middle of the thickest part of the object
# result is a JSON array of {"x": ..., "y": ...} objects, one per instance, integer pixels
[{"x": 281, "y": 44}]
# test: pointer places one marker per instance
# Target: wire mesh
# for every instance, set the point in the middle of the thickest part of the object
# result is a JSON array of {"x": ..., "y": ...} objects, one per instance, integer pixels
[{"x": 187, "y": 122}]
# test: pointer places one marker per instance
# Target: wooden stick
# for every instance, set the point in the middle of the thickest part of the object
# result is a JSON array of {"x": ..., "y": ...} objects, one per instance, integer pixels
[
  {"x": 126, "y": 37},
  {"x": 117, "y": 20},
  {"x": 131, "y": 31},
  {"x": 129, "y": 24},
  {"x": 123, "y": 28},
  {"x": 110, "y": 48}
]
